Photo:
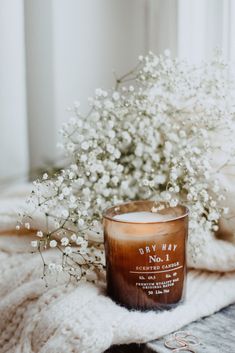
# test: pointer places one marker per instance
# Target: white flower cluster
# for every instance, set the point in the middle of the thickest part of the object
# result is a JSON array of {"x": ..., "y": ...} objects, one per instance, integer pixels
[{"x": 153, "y": 140}]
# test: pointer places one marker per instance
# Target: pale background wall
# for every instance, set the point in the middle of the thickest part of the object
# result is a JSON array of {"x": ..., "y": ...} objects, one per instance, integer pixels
[{"x": 53, "y": 52}]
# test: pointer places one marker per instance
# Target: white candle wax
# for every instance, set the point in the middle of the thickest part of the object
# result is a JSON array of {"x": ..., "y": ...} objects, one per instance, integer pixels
[{"x": 143, "y": 217}]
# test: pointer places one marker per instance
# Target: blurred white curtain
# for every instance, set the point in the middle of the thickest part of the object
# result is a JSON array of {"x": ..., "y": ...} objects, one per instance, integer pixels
[
  {"x": 72, "y": 48},
  {"x": 59, "y": 51},
  {"x": 204, "y": 25},
  {"x": 13, "y": 114},
  {"x": 192, "y": 29}
]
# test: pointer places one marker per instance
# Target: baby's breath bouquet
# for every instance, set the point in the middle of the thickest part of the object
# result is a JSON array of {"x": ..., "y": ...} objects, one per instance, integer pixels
[{"x": 153, "y": 136}]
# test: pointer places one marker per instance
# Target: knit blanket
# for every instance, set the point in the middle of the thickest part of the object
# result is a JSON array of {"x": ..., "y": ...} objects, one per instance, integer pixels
[{"x": 78, "y": 317}]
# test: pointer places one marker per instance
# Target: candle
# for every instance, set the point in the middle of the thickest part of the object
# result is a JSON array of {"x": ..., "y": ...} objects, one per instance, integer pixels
[{"x": 145, "y": 255}]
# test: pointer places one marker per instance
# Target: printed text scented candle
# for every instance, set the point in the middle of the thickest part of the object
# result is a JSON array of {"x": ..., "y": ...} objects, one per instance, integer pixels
[{"x": 145, "y": 254}]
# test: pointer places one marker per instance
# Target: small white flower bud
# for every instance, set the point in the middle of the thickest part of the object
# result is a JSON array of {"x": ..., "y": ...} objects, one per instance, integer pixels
[
  {"x": 39, "y": 234},
  {"x": 34, "y": 243},
  {"x": 53, "y": 243}
]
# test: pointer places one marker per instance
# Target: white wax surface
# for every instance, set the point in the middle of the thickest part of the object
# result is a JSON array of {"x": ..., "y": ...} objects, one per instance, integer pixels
[{"x": 143, "y": 217}]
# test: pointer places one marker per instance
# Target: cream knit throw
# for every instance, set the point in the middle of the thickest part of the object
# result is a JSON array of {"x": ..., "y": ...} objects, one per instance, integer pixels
[{"x": 79, "y": 318}]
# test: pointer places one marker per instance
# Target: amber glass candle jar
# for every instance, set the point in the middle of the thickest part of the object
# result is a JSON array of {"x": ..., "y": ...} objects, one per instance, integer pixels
[{"x": 145, "y": 255}]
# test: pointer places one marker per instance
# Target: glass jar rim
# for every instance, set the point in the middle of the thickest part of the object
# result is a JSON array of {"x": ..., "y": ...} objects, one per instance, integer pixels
[{"x": 105, "y": 214}]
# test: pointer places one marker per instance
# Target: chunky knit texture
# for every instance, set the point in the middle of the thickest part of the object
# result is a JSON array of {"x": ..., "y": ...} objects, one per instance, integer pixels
[{"x": 80, "y": 318}]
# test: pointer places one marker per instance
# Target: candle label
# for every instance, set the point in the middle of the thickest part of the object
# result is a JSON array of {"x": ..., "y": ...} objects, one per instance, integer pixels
[{"x": 161, "y": 274}]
